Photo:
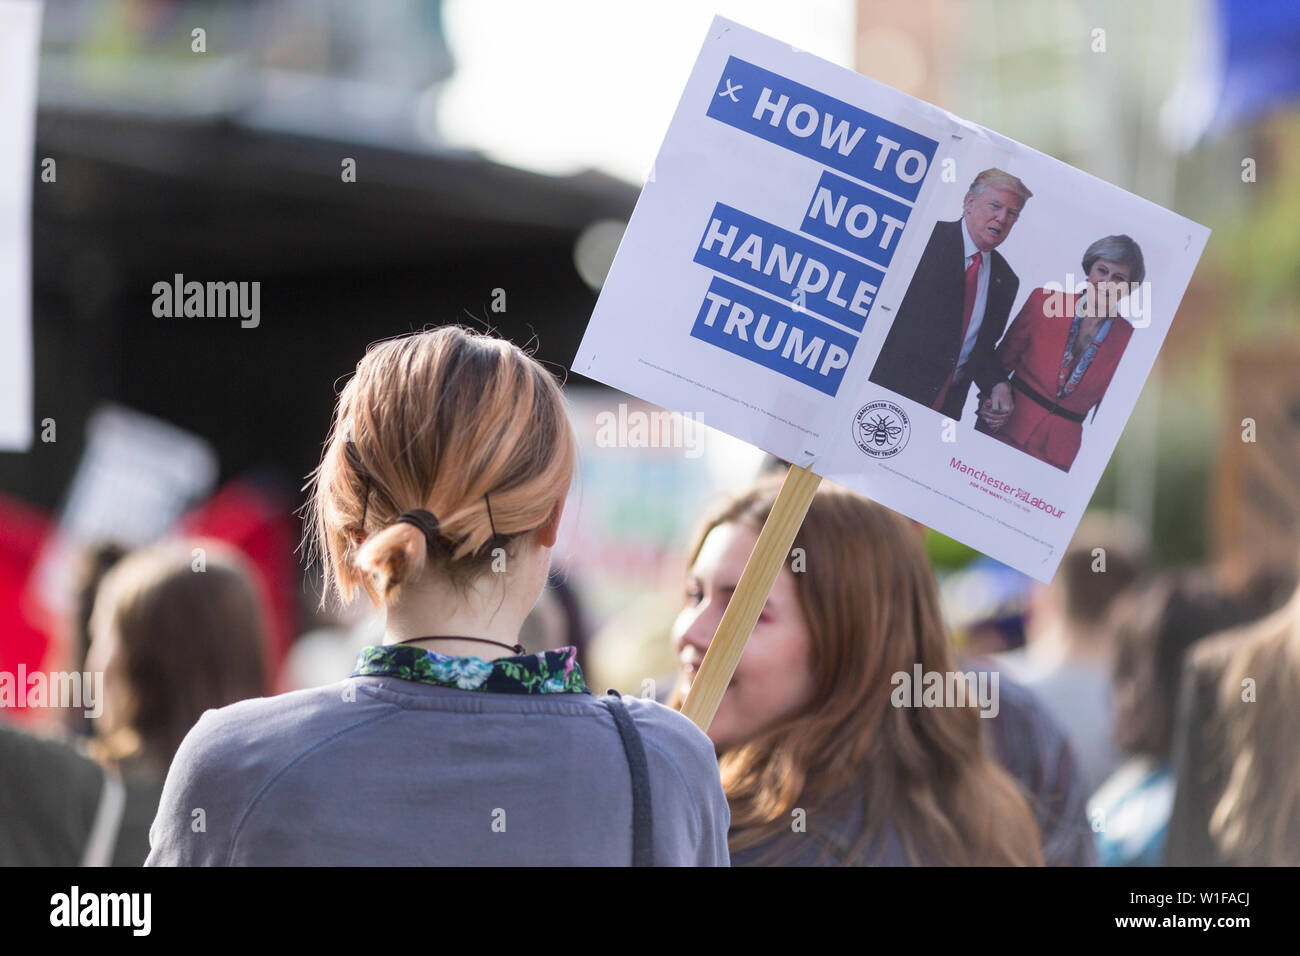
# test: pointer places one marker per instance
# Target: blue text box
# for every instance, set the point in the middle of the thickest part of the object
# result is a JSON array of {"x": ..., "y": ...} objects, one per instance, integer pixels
[
  {"x": 784, "y": 263},
  {"x": 795, "y": 344},
  {"x": 855, "y": 218},
  {"x": 830, "y": 131}
]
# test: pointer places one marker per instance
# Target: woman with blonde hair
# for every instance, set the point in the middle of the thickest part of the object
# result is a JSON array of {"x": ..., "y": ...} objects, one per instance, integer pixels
[
  {"x": 439, "y": 496},
  {"x": 1237, "y": 797},
  {"x": 823, "y": 761}
]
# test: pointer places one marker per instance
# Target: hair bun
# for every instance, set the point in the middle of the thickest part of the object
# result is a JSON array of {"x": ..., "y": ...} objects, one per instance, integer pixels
[
  {"x": 402, "y": 437},
  {"x": 426, "y": 521}
]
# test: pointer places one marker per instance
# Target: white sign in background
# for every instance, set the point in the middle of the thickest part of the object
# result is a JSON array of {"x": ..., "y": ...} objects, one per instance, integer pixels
[
  {"x": 20, "y": 31},
  {"x": 136, "y": 477},
  {"x": 727, "y": 220}
]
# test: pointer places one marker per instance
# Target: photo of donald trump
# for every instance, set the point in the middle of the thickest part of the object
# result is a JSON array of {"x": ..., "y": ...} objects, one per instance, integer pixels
[{"x": 957, "y": 304}]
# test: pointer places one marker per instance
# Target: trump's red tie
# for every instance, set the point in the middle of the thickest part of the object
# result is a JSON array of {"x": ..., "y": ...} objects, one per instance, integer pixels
[{"x": 972, "y": 283}]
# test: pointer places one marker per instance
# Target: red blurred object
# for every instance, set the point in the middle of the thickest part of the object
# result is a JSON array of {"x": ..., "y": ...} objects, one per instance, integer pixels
[
  {"x": 22, "y": 641},
  {"x": 261, "y": 525}
]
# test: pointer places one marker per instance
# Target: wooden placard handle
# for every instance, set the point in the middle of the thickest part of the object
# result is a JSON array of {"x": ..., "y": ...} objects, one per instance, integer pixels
[{"x": 751, "y": 593}]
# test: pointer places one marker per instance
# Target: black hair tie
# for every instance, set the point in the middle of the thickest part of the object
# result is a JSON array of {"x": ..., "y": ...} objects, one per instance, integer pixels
[{"x": 425, "y": 521}]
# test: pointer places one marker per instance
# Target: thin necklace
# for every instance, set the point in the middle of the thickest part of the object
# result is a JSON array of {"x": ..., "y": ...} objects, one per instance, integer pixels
[{"x": 517, "y": 648}]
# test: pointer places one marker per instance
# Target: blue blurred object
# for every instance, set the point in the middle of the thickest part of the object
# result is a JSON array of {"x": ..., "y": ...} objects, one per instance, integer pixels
[
  {"x": 1130, "y": 814},
  {"x": 1261, "y": 43},
  {"x": 984, "y": 603},
  {"x": 1246, "y": 64}
]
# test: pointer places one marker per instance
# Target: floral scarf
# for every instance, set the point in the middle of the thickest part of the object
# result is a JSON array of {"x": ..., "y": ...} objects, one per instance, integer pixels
[
  {"x": 1067, "y": 379},
  {"x": 551, "y": 672}
]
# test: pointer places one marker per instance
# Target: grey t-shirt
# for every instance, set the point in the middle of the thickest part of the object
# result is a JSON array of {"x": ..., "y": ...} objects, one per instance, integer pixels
[{"x": 383, "y": 771}]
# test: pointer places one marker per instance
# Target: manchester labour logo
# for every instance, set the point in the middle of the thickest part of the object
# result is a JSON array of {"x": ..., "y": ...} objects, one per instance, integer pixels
[{"x": 881, "y": 429}]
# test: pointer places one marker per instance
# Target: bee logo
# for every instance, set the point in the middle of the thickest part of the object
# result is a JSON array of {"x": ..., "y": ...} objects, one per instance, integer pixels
[{"x": 881, "y": 429}]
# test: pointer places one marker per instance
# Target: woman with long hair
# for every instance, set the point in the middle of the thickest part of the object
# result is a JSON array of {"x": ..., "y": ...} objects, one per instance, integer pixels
[
  {"x": 439, "y": 496},
  {"x": 822, "y": 760},
  {"x": 1152, "y": 627},
  {"x": 1237, "y": 800},
  {"x": 176, "y": 629}
]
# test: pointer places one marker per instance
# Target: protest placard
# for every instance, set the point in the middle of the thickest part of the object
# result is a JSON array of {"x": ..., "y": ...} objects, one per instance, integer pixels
[
  {"x": 889, "y": 297},
  {"x": 795, "y": 272},
  {"x": 20, "y": 32},
  {"x": 136, "y": 477}
]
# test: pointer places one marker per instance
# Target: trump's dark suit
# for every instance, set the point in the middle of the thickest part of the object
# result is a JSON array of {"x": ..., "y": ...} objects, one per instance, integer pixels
[{"x": 924, "y": 342}]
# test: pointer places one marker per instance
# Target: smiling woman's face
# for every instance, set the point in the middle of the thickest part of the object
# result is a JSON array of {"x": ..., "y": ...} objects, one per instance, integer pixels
[
  {"x": 774, "y": 677},
  {"x": 1108, "y": 285}
]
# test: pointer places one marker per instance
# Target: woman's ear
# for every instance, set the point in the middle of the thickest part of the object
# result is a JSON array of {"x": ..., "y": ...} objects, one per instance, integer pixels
[{"x": 548, "y": 532}]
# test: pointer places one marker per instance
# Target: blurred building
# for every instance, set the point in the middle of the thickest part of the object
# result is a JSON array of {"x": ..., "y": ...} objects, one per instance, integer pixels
[{"x": 293, "y": 144}]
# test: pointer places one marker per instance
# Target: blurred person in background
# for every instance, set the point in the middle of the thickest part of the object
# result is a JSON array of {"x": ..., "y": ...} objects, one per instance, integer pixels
[
  {"x": 1236, "y": 760},
  {"x": 819, "y": 767},
  {"x": 1059, "y": 355},
  {"x": 1154, "y": 625},
  {"x": 440, "y": 494},
  {"x": 58, "y": 807},
  {"x": 95, "y": 562},
  {"x": 1067, "y": 659},
  {"x": 177, "y": 629},
  {"x": 1029, "y": 744}
]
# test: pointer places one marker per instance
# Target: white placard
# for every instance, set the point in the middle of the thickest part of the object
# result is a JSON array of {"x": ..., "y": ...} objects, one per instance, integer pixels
[
  {"x": 20, "y": 33},
  {"x": 136, "y": 477},
  {"x": 765, "y": 284}
]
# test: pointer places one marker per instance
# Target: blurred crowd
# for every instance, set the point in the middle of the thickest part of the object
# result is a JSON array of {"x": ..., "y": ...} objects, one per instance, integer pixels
[
  {"x": 1129, "y": 713},
  {"x": 1142, "y": 717}
]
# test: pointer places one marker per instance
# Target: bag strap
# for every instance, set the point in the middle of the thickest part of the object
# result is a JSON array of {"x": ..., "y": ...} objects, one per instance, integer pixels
[
  {"x": 643, "y": 847},
  {"x": 102, "y": 841}
]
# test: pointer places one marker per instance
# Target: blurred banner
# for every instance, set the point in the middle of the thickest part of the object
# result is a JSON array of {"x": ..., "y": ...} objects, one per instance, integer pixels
[
  {"x": 1244, "y": 64},
  {"x": 1261, "y": 43},
  {"x": 1257, "y": 493},
  {"x": 646, "y": 477},
  {"x": 23, "y": 644},
  {"x": 625, "y": 522},
  {"x": 20, "y": 31}
]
